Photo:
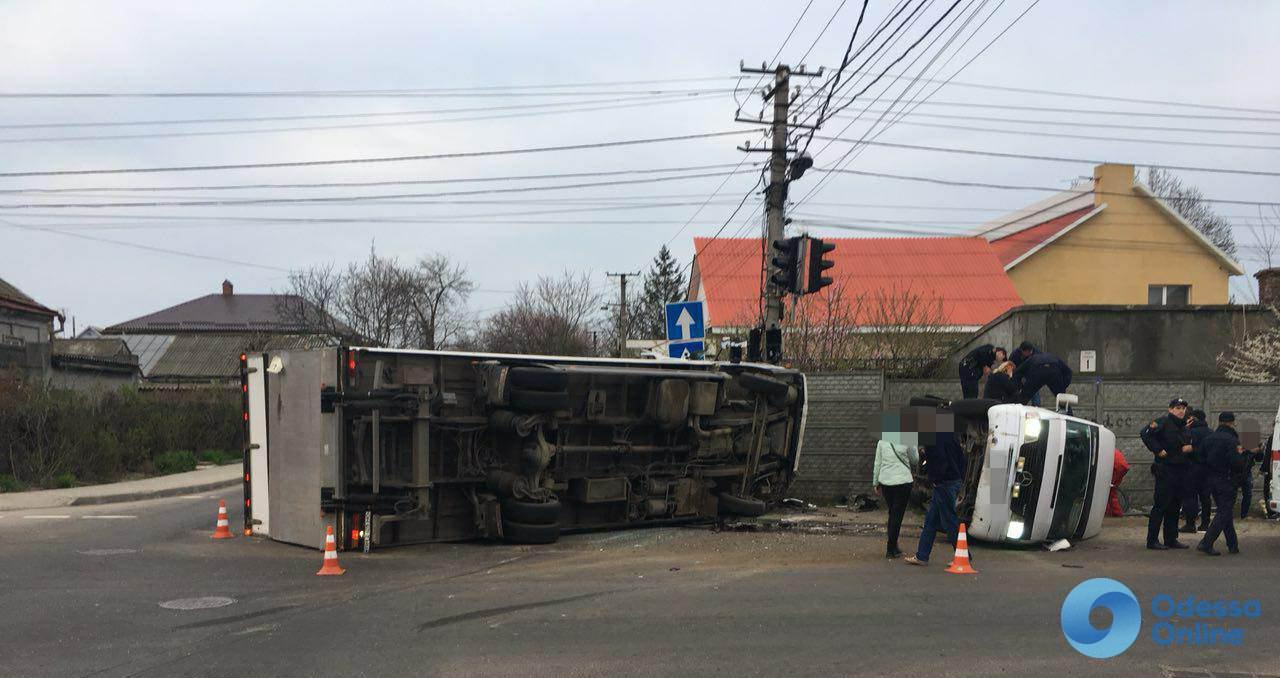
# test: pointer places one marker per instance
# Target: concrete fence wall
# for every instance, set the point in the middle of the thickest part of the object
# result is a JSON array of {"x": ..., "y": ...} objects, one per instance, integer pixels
[{"x": 839, "y": 450}]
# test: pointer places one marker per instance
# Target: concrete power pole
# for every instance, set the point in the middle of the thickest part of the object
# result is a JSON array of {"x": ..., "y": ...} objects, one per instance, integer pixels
[
  {"x": 623, "y": 330},
  {"x": 776, "y": 192}
]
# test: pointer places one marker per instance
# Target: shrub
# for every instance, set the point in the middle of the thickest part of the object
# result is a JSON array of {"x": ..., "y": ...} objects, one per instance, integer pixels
[
  {"x": 46, "y": 433},
  {"x": 175, "y": 461},
  {"x": 217, "y": 457},
  {"x": 10, "y": 484},
  {"x": 64, "y": 480}
]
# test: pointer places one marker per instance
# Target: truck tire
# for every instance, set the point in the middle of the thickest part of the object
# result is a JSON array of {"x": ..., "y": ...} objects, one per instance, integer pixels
[
  {"x": 539, "y": 401},
  {"x": 538, "y": 378},
  {"x": 758, "y": 383},
  {"x": 531, "y": 513},
  {"x": 741, "y": 506},
  {"x": 524, "y": 533}
]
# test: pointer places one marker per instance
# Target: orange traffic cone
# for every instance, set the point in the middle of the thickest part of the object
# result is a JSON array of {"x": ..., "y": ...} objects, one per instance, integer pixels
[
  {"x": 223, "y": 529},
  {"x": 960, "y": 563},
  {"x": 330, "y": 565}
]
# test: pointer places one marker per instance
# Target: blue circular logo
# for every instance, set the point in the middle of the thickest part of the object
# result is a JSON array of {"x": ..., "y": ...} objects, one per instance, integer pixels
[{"x": 1126, "y": 618}]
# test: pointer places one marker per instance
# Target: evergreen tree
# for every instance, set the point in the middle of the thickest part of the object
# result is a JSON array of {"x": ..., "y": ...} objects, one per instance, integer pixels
[{"x": 663, "y": 284}]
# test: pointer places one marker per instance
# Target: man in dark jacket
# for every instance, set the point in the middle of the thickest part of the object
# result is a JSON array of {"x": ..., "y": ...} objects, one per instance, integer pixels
[
  {"x": 1195, "y": 496},
  {"x": 1025, "y": 350},
  {"x": 1000, "y": 386},
  {"x": 1223, "y": 458},
  {"x": 1244, "y": 479},
  {"x": 977, "y": 363},
  {"x": 1040, "y": 370},
  {"x": 1164, "y": 437},
  {"x": 944, "y": 462}
]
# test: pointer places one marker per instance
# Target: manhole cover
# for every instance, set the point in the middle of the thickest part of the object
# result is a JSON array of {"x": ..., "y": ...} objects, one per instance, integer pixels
[
  {"x": 206, "y": 603},
  {"x": 107, "y": 552}
]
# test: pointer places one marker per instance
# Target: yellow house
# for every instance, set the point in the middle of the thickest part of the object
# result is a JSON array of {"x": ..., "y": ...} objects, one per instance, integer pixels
[{"x": 1109, "y": 240}]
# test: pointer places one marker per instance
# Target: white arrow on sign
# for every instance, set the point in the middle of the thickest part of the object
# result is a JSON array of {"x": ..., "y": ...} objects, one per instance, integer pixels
[
  {"x": 685, "y": 355},
  {"x": 685, "y": 321}
]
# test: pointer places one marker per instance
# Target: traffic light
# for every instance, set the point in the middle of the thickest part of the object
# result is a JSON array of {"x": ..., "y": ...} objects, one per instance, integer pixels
[
  {"x": 818, "y": 263},
  {"x": 787, "y": 263}
]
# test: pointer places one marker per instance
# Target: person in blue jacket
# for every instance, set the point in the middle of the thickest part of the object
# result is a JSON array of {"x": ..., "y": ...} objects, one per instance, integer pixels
[{"x": 944, "y": 463}]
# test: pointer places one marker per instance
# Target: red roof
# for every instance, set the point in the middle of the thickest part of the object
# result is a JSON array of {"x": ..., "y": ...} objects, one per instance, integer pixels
[
  {"x": 1014, "y": 245},
  {"x": 962, "y": 276}
]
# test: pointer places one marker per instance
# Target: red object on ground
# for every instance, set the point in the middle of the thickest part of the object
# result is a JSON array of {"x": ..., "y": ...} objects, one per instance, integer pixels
[{"x": 1118, "y": 471}]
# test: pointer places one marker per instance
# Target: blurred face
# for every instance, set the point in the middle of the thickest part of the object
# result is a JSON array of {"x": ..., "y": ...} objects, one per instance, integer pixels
[{"x": 1179, "y": 411}]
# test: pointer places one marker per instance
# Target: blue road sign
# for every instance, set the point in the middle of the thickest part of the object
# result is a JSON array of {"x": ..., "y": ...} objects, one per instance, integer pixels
[
  {"x": 685, "y": 349},
  {"x": 686, "y": 321}
]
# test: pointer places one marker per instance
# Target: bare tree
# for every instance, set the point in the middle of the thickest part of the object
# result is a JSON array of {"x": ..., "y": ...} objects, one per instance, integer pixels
[
  {"x": 1190, "y": 203},
  {"x": 554, "y": 316},
  {"x": 311, "y": 300},
  {"x": 439, "y": 289},
  {"x": 1256, "y": 358}
]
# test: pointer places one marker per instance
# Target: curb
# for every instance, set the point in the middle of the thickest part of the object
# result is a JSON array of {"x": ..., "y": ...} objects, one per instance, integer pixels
[{"x": 153, "y": 494}]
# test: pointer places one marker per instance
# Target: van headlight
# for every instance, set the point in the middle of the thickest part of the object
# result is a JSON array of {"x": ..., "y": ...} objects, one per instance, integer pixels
[
  {"x": 1031, "y": 430},
  {"x": 1015, "y": 529}
]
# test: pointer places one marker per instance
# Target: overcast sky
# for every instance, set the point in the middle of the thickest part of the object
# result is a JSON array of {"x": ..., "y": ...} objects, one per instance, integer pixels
[{"x": 1222, "y": 54}]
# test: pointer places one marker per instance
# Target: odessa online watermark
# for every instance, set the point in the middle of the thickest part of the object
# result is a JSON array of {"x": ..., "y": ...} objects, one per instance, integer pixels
[{"x": 1185, "y": 621}]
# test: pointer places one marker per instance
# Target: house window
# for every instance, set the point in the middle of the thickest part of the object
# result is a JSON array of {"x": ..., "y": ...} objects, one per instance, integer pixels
[{"x": 1168, "y": 295}]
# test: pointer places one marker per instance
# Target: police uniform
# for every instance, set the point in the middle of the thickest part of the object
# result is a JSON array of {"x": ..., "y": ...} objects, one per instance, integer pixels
[
  {"x": 1166, "y": 435},
  {"x": 1040, "y": 370},
  {"x": 971, "y": 368},
  {"x": 1223, "y": 459},
  {"x": 1196, "y": 494}
]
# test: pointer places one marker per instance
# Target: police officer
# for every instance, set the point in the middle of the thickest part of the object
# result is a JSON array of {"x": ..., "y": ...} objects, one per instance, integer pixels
[
  {"x": 1223, "y": 458},
  {"x": 976, "y": 364},
  {"x": 1245, "y": 479},
  {"x": 1025, "y": 350},
  {"x": 1195, "y": 496},
  {"x": 1164, "y": 437},
  {"x": 1039, "y": 370}
]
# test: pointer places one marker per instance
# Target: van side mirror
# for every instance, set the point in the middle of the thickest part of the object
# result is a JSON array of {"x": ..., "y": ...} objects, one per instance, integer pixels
[{"x": 1065, "y": 401}]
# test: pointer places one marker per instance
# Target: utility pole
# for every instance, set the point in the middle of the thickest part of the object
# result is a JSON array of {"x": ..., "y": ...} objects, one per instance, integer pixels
[
  {"x": 776, "y": 191},
  {"x": 622, "y": 309}
]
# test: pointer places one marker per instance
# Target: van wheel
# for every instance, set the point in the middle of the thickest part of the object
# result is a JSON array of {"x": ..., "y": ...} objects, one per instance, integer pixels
[
  {"x": 524, "y": 533},
  {"x": 539, "y": 401},
  {"x": 531, "y": 513},
  {"x": 742, "y": 506},
  {"x": 538, "y": 378},
  {"x": 758, "y": 383}
]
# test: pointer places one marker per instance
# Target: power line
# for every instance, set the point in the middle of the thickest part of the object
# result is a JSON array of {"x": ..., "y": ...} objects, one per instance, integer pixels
[
  {"x": 350, "y": 161},
  {"x": 1080, "y": 123},
  {"x": 365, "y": 184},
  {"x": 823, "y": 32},
  {"x": 1049, "y": 158},
  {"x": 647, "y": 102},
  {"x": 148, "y": 248},
  {"x": 1011, "y": 187},
  {"x": 1061, "y": 135},
  {"x": 231, "y": 202},
  {"x": 312, "y": 94}
]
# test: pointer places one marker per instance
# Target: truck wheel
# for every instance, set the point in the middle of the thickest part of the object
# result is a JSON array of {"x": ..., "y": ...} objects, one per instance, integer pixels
[
  {"x": 538, "y": 378},
  {"x": 524, "y": 533},
  {"x": 742, "y": 506},
  {"x": 539, "y": 401},
  {"x": 531, "y": 513},
  {"x": 758, "y": 383}
]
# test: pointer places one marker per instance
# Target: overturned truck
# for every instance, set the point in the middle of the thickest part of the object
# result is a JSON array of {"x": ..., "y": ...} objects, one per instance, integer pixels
[{"x": 398, "y": 447}]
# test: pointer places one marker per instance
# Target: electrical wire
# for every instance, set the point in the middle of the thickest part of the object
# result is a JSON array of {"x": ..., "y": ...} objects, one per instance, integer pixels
[
  {"x": 648, "y": 103},
  {"x": 1081, "y": 123},
  {"x": 351, "y": 161},
  {"x": 312, "y": 94},
  {"x": 1060, "y": 135},
  {"x": 1048, "y": 158}
]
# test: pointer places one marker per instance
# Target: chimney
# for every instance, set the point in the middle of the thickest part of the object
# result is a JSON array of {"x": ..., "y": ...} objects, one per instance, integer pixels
[
  {"x": 1110, "y": 181},
  {"x": 1268, "y": 286},
  {"x": 227, "y": 288}
]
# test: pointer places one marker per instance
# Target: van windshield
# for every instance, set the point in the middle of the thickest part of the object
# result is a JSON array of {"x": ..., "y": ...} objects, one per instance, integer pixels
[{"x": 1079, "y": 453}]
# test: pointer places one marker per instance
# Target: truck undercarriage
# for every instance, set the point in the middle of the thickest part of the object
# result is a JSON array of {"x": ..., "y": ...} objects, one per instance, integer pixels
[{"x": 397, "y": 447}]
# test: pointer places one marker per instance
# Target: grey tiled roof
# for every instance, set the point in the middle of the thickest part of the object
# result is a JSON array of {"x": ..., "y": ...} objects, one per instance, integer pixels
[
  {"x": 221, "y": 313},
  {"x": 12, "y": 297},
  {"x": 207, "y": 356},
  {"x": 111, "y": 352}
]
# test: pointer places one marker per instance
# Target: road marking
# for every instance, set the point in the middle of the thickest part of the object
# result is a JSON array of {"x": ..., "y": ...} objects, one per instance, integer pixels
[
  {"x": 107, "y": 517},
  {"x": 45, "y": 517},
  {"x": 191, "y": 496}
]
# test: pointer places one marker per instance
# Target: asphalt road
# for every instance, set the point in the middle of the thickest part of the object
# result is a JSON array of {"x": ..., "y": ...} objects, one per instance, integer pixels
[{"x": 81, "y": 595}]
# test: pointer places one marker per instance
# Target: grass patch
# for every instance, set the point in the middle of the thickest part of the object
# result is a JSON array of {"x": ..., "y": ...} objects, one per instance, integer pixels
[
  {"x": 10, "y": 484},
  {"x": 175, "y": 461},
  {"x": 63, "y": 481}
]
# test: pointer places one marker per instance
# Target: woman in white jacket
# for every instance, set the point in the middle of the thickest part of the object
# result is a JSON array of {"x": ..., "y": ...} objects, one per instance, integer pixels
[{"x": 892, "y": 476}]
